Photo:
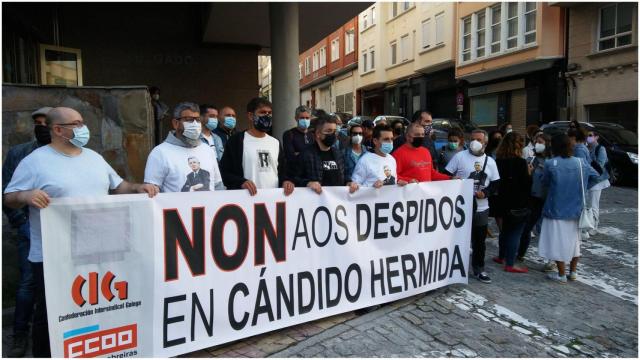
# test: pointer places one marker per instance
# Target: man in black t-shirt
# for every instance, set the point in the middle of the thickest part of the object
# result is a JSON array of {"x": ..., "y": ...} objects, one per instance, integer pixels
[{"x": 322, "y": 164}]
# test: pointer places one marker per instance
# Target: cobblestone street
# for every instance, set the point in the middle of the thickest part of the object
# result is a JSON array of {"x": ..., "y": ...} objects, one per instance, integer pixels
[{"x": 518, "y": 315}]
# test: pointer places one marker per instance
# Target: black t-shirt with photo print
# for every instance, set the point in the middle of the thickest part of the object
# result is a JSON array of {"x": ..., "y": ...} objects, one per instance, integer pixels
[{"x": 330, "y": 170}]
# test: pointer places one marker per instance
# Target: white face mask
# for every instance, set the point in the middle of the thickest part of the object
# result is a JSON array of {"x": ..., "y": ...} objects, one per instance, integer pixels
[
  {"x": 192, "y": 130},
  {"x": 476, "y": 147},
  {"x": 155, "y": 97},
  {"x": 356, "y": 139},
  {"x": 539, "y": 148}
]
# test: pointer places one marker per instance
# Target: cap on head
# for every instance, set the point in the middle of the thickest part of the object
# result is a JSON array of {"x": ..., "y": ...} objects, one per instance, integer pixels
[{"x": 43, "y": 111}]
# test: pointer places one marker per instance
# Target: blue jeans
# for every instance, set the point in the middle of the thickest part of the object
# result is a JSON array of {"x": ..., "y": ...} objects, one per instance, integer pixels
[
  {"x": 24, "y": 293},
  {"x": 509, "y": 238}
]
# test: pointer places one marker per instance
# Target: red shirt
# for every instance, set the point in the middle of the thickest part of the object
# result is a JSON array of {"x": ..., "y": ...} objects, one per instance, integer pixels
[{"x": 416, "y": 164}]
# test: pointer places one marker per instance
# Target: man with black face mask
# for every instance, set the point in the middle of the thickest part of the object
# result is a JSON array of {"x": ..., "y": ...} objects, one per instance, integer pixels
[
  {"x": 253, "y": 159},
  {"x": 19, "y": 220},
  {"x": 413, "y": 161},
  {"x": 322, "y": 163}
]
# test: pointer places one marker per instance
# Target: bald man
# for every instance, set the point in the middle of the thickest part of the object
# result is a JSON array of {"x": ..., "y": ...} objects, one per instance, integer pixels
[
  {"x": 64, "y": 168},
  {"x": 227, "y": 124}
]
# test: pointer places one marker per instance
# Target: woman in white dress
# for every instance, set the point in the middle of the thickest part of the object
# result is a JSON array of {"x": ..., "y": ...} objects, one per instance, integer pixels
[{"x": 566, "y": 178}]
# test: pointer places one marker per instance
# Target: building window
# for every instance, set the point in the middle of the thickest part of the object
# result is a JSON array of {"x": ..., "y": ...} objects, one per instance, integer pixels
[
  {"x": 405, "y": 48},
  {"x": 426, "y": 25},
  {"x": 512, "y": 25},
  {"x": 349, "y": 42},
  {"x": 365, "y": 21},
  {"x": 372, "y": 58},
  {"x": 299, "y": 71},
  {"x": 335, "y": 49},
  {"x": 307, "y": 67},
  {"x": 529, "y": 22},
  {"x": 480, "y": 33},
  {"x": 394, "y": 47},
  {"x": 60, "y": 65},
  {"x": 616, "y": 26},
  {"x": 466, "y": 39},
  {"x": 496, "y": 13},
  {"x": 315, "y": 61},
  {"x": 406, "y": 5},
  {"x": 373, "y": 15},
  {"x": 364, "y": 61},
  {"x": 394, "y": 9},
  {"x": 440, "y": 29},
  {"x": 323, "y": 56}
]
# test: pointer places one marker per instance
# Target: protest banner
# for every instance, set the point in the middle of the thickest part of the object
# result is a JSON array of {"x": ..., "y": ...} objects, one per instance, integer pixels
[{"x": 131, "y": 276}]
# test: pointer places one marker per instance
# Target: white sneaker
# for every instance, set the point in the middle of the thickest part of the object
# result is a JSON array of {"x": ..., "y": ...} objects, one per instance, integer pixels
[{"x": 557, "y": 278}]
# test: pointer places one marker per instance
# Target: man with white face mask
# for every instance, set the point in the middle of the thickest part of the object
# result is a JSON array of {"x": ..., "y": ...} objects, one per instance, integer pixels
[
  {"x": 168, "y": 165},
  {"x": 475, "y": 164},
  {"x": 209, "y": 115},
  {"x": 64, "y": 168}
]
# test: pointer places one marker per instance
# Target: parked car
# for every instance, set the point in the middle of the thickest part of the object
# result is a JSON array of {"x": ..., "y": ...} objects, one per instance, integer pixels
[
  {"x": 390, "y": 119},
  {"x": 442, "y": 126},
  {"x": 621, "y": 145},
  {"x": 358, "y": 119}
]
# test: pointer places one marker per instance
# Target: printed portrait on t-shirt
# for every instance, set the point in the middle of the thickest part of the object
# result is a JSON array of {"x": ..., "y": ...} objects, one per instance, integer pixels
[
  {"x": 197, "y": 179},
  {"x": 389, "y": 179},
  {"x": 264, "y": 160},
  {"x": 479, "y": 177}
]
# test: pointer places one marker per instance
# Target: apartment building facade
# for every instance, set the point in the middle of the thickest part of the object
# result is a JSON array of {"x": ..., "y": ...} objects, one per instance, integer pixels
[
  {"x": 602, "y": 62},
  {"x": 510, "y": 62},
  {"x": 407, "y": 58},
  {"x": 328, "y": 71}
]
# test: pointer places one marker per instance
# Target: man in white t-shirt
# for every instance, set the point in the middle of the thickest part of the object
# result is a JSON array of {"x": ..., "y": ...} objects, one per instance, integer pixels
[
  {"x": 64, "y": 168},
  {"x": 475, "y": 164},
  {"x": 253, "y": 159},
  {"x": 183, "y": 163},
  {"x": 378, "y": 168}
]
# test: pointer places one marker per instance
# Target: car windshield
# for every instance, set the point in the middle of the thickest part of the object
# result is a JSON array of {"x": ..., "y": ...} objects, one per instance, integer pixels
[{"x": 620, "y": 136}]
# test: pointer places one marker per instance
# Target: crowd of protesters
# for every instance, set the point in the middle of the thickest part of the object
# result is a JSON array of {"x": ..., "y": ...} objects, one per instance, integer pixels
[{"x": 529, "y": 183}]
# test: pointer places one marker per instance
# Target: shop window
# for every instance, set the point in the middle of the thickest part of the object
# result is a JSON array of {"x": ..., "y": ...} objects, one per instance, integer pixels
[{"x": 60, "y": 65}]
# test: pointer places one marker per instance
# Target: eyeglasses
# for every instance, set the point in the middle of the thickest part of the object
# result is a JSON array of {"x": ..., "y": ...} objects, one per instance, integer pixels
[{"x": 189, "y": 119}]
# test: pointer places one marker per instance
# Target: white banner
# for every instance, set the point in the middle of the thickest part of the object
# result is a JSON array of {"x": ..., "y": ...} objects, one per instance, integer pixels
[{"x": 132, "y": 276}]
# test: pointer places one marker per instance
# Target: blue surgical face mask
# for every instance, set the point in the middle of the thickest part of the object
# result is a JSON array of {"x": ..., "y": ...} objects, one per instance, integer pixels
[
  {"x": 80, "y": 136},
  {"x": 343, "y": 132},
  {"x": 212, "y": 123},
  {"x": 304, "y": 123},
  {"x": 230, "y": 122},
  {"x": 386, "y": 147}
]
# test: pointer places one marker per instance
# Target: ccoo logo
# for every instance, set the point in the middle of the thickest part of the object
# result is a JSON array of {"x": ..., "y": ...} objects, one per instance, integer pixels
[{"x": 106, "y": 285}]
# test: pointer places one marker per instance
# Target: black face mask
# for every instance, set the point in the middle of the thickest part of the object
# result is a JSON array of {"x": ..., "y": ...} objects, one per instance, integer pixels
[
  {"x": 417, "y": 141},
  {"x": 329, "y": 139},
  {"x": 43, "y": 135},
  {"x": 263, "y": 123}
]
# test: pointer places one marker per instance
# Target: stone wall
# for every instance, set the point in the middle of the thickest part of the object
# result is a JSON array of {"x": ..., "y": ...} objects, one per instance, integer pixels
[{"x": 120, "y": 120}]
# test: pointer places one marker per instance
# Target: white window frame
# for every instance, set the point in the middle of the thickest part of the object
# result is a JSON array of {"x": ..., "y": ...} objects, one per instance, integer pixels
[
  {"x": 405, "y": 48},
  {"x": 464, "y": 51},
  {"x": 307, "y": 65},
  {"x": 323, "y": 57},
  {"x": 477, "y": 28},
  {"x": 364, "y": 61},
  {"x": 524, "y": 22},
  {"x": 365, "y": 23},
  {"x": 315, "y": 61},
  {"x": 499, "y": 24},
  {"x": 393, "y": 11},
  {"x": 439, "y": 34},
  {"x": 299, "y": 71},
  {"x": 518, "y": 19},
  {"x": 615, "y": 36},
  {"x": 335, "y": 49},
  {"x": 406, "y": 5},
  {"x": 425, "y": 32},
  {"x": 393, "y": 52},
  {"x": 489, "y": 30},
  {"x": 350, "y": 41},
  {"x": 372, "y": 58},
  {"x": 373, "y": 15}
]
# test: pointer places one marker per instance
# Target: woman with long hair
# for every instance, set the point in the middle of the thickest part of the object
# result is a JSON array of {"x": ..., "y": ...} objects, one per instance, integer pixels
[
  {"x": 566, "y": 178},
  {"x": 542, "y": 150},
  {"x": 513, "y": 196}
]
